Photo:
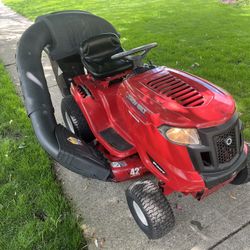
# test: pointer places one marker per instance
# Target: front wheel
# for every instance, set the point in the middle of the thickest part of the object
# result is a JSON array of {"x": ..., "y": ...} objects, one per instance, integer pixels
[
  {"x": 243, "y": 176},
  {"x": 150, "y": 209}
]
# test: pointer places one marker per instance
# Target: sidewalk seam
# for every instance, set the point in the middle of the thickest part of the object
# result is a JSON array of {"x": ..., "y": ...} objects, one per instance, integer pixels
[{"x": 229, "y": 236}]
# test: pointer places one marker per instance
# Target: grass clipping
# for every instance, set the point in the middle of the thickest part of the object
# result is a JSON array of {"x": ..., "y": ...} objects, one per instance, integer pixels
[{"x": 33, "y": 212}]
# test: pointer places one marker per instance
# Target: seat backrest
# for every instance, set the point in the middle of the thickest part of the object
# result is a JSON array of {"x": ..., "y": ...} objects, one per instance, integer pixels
[
  {"x": 96, "y": 55},
  {"x": 99, "y": 49}
]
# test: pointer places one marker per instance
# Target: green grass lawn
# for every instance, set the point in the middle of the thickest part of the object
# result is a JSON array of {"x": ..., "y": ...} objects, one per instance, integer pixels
[
  {"x": 203, "y": 37},
  {"x": 33, "y": 211}
]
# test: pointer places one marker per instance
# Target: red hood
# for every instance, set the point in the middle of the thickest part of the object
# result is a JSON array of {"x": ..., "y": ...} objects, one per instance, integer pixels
[{"x": 179, "y": 99}]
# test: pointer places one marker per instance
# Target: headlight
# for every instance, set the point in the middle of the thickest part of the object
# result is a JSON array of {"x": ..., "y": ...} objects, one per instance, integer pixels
[{"x": 181, "y": 135}]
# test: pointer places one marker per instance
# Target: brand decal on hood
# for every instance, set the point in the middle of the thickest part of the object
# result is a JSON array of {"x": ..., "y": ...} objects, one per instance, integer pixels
[{"x": 132, "y": 100}]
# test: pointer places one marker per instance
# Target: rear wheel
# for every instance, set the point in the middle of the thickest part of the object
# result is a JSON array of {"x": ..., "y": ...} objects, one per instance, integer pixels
[
  {"x": 74, "y": 119},
  {"x": 150, "y": 209},
  {"x": 243, "y": 176}
]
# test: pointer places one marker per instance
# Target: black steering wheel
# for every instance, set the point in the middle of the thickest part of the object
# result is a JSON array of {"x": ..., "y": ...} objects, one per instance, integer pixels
[{"x": 131, "y": 55}]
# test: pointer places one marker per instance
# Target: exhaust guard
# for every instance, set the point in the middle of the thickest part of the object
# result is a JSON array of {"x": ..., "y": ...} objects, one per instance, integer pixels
[{"x": 78, "y": 157}]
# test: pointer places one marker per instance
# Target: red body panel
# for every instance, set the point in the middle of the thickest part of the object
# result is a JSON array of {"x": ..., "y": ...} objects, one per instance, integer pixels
[
  {"x": 135, "y": 111},
  {"x": 221, "y": 105}
]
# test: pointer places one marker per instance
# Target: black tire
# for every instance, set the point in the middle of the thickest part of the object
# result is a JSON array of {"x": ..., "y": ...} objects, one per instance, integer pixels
[
  {"x": 74, "y": 119},
  {"x": 153, "y": 205},
  {"x": 243, "y": 176}
]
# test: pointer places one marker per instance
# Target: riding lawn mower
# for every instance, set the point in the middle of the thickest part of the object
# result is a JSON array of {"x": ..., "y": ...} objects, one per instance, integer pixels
[{"x": 126, "y": 119}]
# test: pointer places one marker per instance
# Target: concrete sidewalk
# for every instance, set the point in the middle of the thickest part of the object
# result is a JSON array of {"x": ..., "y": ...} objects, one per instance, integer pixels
[{"x": 222, "y": 221}]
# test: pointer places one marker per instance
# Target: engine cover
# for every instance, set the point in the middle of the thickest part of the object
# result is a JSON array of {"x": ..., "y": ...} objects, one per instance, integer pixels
[{"x": 179, "y": 99}]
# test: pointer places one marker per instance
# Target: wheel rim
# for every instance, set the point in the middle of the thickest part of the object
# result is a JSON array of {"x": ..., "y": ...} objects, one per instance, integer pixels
[
  {"x": 69, "y": 123},
  {"x": 140, "y": 214}
]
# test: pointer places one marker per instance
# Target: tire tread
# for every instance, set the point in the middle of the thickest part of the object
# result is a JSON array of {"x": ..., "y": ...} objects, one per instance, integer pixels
[{"x": 155, "y": 206}]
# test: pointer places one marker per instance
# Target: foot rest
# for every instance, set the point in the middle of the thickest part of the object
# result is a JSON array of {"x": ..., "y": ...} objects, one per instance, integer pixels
[{"x": 115, "y": 140}]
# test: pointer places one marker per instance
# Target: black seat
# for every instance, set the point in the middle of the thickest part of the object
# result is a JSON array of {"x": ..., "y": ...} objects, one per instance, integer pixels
[{"x": 96, "y": 55}]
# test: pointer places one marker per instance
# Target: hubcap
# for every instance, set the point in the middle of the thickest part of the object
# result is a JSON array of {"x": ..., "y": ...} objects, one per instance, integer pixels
[
  {"x": 140, "y": 214},
  {"x": 69, "y": 123}
]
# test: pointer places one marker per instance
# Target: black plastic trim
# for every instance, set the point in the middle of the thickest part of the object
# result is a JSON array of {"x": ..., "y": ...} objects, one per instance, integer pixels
[
  {"x": 156, "y": 165},
  {"x": 80, "y": 157},
  {"x": 115, "y": 140},
  {"x": 215, "y": 178},
  {"x": 216, "y": 173}
]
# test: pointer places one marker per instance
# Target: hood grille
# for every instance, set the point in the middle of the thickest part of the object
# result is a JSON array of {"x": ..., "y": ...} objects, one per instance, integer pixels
[
  {"x": 226, "y": 153},
  {"x": 178, "y": 90}
]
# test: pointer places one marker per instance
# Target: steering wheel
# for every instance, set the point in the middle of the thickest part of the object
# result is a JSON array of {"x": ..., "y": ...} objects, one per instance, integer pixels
[{"x": 131, "y": 55}]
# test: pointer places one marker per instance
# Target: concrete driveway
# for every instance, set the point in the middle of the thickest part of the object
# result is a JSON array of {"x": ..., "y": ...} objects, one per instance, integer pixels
[{"x": 222, "y": 221}]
